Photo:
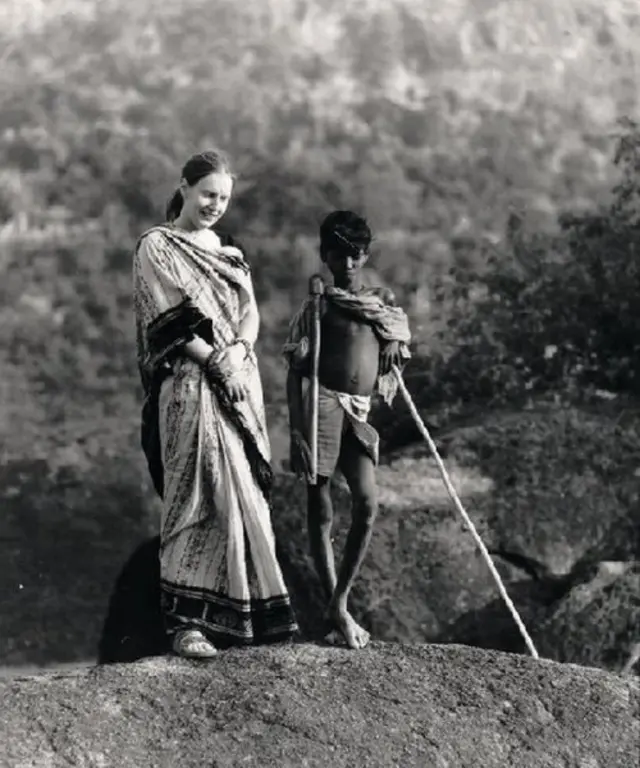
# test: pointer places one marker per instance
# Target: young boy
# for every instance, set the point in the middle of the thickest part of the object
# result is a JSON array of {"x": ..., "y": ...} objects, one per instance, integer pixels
[{"x": 363, "y": 335}]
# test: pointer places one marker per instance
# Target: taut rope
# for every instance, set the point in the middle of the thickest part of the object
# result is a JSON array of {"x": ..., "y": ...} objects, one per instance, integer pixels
[{"x": 458, "y": 505}]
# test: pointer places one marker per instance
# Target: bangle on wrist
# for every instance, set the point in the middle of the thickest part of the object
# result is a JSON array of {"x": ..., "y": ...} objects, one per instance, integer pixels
[
  {"x": 248, "y": 348},
  {"x": 210, "y": 365}
]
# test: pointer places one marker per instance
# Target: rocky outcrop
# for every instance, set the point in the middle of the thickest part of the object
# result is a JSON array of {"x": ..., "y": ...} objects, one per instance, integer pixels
[
  {"x": 598, "y": 621},
  {"x": 591, "y": 617},
  {"x": 552, "y": 494},
  {"x": 307, "y": 705}
]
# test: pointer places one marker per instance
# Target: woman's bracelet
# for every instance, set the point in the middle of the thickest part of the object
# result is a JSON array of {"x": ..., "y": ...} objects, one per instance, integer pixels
[
  {"x": 248, "y": 348},
  {"x": 211, "y": 366}
]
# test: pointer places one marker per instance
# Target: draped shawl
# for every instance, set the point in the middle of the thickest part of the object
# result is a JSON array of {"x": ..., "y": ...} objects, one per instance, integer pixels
[{"x": 184, "y": 288}]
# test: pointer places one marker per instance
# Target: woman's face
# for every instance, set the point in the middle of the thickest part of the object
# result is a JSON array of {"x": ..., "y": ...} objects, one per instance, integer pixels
[{"x": 205, "y": 202}]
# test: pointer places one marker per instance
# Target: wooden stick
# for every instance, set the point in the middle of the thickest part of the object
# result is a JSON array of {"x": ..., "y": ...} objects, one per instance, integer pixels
[
  {"x": 458, "y": 505},
  {"x": 316, "y": 289}
]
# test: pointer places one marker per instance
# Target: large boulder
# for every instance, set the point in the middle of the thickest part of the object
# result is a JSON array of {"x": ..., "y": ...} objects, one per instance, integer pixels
[
  {"x": 306, "y": 705},
  {"x": 597, "y": 622},
  {"x": 552, "y": 492},
  {"x": 563, "y": 480}
]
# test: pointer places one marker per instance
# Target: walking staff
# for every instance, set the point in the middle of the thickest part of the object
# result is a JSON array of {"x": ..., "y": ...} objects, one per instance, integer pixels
[{"x": 316, "y": 289}]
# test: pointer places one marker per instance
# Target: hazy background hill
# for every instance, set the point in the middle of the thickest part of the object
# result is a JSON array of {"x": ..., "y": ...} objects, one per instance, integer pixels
[{"x": 479, "y": 136}]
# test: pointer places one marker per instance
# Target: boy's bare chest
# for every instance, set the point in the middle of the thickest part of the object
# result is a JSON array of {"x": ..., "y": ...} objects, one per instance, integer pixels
[
  {"x": 349, "y": 353},
  {"x": 339, "y": 323}
]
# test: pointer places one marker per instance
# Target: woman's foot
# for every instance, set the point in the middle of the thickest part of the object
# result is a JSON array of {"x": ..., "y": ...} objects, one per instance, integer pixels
[{"x": 192, "y": 644}]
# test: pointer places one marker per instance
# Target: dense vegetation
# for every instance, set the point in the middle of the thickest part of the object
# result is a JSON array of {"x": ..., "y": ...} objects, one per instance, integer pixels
[{"x": 483, "y": 140}]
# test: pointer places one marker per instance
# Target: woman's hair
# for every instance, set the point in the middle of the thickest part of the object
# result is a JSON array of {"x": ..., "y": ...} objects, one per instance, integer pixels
[
  {"x": 196, "y": 168},
  {"x": 344, "y": 228}
]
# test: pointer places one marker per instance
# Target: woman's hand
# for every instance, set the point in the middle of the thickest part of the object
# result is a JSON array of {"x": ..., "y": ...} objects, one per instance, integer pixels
[
  {"x": 235, "y": 387},
  {"x": 231, "y": 365},
  {"x": 227, "y": 371},
  {"x": 233, "y": 359},
  {"x": 389, "y": 356}
]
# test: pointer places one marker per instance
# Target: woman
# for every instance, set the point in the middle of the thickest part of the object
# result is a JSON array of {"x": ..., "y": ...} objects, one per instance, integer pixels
[{"x": 203, "y": 426}]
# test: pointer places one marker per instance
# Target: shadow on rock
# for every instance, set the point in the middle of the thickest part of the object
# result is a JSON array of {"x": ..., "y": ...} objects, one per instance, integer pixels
[
  {"x": 493, "y": 627},
  {"x": 304, "y": 590},
  {"x": 133, "y": 628}
]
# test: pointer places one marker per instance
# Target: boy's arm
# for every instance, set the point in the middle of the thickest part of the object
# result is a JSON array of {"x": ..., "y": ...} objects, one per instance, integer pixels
[
  {"x": 389, "y": 350},
  {"x": 297, "y": 354},
  {"x": 299, "y": 451},
  {"x": 295, "y": 401}
]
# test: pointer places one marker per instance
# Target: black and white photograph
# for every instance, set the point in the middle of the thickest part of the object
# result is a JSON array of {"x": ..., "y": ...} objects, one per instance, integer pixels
[{"x": 319, "y": 384}]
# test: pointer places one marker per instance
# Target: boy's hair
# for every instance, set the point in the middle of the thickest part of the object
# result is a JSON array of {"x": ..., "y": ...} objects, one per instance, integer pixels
[{"x": 342, "y": 229}]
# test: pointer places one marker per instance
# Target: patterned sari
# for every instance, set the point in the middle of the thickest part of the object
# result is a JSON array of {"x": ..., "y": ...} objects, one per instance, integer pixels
[{"x": 209, "y": 458}]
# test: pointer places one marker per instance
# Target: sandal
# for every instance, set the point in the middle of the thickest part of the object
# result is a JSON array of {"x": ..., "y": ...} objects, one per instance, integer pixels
[{"x": 192, "y": 644}]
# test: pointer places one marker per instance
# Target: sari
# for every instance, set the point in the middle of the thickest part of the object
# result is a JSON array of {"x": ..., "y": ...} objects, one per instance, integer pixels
[{"x": 209, "y": 458}]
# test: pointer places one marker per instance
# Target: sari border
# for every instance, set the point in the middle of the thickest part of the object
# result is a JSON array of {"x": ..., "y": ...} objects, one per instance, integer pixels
[{"x": 226, "y": 620}]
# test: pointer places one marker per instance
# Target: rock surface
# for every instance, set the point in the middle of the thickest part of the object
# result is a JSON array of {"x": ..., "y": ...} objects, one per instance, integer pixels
[
  {"x": 598, "y": 621},
  {"x": 308, "y": 705},
  {"x": 591, "y": 617}
]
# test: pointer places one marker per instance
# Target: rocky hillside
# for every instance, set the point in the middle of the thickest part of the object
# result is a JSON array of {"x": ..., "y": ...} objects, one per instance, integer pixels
[{"x": 306, "y": 705}]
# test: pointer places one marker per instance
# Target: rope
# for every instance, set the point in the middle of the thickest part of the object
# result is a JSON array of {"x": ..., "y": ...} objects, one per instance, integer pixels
[{"x": 458, "y": 504}]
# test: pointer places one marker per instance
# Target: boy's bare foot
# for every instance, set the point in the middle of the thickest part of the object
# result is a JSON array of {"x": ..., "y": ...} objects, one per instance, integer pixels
[{"x": 345, "y": 629}]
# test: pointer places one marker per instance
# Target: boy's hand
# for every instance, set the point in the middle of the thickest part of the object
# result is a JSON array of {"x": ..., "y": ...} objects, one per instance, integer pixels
[
  {"x": 300, "y": 454},
  {"x": 389, "y": 356}
]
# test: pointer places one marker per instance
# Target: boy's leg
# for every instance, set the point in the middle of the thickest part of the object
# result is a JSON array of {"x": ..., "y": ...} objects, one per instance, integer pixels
[
  {"x": 359, "y": 471},
  {"x": 319, "y": 523}
]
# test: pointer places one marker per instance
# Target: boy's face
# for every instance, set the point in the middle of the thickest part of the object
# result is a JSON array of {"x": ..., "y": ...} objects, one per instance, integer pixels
[{"x": 345, "y": 263}]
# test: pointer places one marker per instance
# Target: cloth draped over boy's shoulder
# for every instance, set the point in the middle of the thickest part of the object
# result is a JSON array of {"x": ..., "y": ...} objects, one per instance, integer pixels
[{"x": 373, "y": 305}]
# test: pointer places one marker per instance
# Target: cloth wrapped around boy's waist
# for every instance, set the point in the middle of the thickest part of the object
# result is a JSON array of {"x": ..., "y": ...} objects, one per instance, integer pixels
[{"x": 337, "y": 412}]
